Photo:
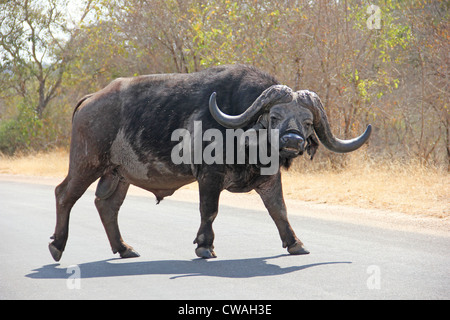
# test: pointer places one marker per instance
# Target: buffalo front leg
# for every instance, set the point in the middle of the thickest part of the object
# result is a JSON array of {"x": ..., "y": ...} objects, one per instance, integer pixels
[
  {"x": 272, "y": 195},
  {"x": 209, "y": 204},
  {"x": 108, "y": 208}
]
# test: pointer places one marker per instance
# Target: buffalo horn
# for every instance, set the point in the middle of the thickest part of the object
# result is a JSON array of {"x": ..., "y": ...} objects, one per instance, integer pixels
[
  {"x": 312, "y": 102},
  {"x": 273, "y": 95}
]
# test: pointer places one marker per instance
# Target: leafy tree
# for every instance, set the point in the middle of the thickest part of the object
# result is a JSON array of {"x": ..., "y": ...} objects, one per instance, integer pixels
[{"x": 34, "y": 49}]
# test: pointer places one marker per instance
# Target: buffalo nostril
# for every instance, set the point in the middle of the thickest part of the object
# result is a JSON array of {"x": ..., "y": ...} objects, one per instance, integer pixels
[{"x": 292, "y": 140}]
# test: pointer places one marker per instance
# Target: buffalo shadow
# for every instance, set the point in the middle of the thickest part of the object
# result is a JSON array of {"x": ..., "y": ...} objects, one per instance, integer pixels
[{"x": 239, "y": 268}]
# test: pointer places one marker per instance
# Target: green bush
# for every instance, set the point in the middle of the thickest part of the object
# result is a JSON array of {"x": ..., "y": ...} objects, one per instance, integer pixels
[{"x": 24, "y": 133}]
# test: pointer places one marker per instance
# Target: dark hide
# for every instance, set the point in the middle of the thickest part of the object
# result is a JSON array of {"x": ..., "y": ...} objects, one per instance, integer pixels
[{"x": 122, "y": 135}]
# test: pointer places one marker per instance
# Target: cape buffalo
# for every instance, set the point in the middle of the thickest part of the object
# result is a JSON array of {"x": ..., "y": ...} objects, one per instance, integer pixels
[{"x": 123, "y": 134}]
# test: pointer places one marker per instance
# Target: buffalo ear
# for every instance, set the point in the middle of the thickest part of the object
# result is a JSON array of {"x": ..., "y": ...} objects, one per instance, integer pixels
[
  {"x": 312, "y": 145},
  {"x": 263, "y": 122}
]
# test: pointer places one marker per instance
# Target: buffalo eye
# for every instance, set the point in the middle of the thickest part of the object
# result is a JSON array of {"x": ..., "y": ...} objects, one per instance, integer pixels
[
  {"x": 274, "y": 118},
  {"x": 308, "y": 125}
]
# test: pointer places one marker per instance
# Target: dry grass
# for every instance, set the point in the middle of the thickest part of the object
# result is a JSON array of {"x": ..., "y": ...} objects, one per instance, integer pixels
[
  {"x": 408, "y": 188},
  {"x": 51, "y": 164}
]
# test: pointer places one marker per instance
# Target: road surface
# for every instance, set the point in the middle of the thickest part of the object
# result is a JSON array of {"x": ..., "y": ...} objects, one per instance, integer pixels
[{"x": 348, "y": 260}]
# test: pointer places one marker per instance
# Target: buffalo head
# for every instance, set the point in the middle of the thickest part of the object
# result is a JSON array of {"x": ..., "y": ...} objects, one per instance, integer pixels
[{"x": 298, "y": 116}]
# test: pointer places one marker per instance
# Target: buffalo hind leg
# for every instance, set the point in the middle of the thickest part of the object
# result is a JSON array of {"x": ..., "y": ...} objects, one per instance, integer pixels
[
  {"x": 108, "y": 206},
  {"x": 272, "y": 195},
  {"x": 209, "y": 204},
  {"x": 67, "y": 193}
]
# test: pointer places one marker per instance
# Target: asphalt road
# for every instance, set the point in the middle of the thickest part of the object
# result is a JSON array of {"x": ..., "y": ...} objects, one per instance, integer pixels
[{"x": 347, "y": 260}]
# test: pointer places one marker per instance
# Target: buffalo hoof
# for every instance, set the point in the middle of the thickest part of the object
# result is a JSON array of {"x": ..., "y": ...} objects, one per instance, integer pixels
[
  {"x": 297, "y": 249},
  {"x": 129, "y": 253},
  {"x": 205, "y": 253},
  {"x": 56, "y": 253}
]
